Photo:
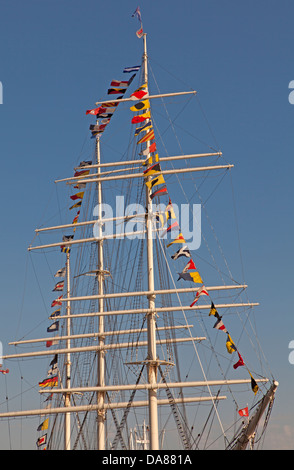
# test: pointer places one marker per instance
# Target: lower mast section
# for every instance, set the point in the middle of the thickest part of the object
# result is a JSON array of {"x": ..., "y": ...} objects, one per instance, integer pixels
[
  {"x": 152, "y": 357},
  {"x": 67, "y": 401}
]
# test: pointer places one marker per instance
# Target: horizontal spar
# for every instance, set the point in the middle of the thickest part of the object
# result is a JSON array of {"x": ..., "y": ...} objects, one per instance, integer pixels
[
  {"x": 106, "y": 406},
  {"x": 150, "y": 97},
  {"x": 163, "y": 172},
  {"x": 98, "y": 335},
  {"x": 94, "y": 239},
  {"x": 92, "y": 222},
  {"x": 158, "y": 310},
  {"x": 97, "y": 348},
  {"x": 152, "y": 293},
  {"x": 155, "y": 386},
  {"x": 162, "y": 159}
]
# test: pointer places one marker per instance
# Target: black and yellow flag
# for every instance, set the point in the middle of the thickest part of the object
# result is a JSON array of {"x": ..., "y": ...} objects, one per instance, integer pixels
[
  {"x": 140, "y": 106},
  {"x": 230, "y": 345},
  {"x": 213, "y": 311},
  {"x": 158, "y": 180},
  {"x": 254, "y": 385}
]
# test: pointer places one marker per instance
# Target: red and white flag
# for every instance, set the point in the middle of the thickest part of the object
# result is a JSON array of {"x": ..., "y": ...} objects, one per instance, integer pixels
[
  {"x": 244, "y": 411},
  {"x": 200, "y": 291},
  {"x": 140, "y": 33},
  {"x": 57, "y": 301},
  {"x": 118, "y": 83}
]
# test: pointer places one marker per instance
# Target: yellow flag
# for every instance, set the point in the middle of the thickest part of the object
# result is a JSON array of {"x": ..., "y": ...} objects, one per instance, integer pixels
[
  {"x": 146, "y": 137},
  {"x": 43, "y": 426},
  {"x": 196, "y": 278},
  {"x": 179, "y": 239},
  {"x": 141, "y": 105},
  {"x": 158, "y": 180},
  {"x": 230, "y": 345},
  {"x": 213, "y": 310}
]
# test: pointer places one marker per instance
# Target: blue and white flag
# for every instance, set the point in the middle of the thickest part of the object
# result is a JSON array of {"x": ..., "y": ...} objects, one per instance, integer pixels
[{"x": 135, "y": 68}]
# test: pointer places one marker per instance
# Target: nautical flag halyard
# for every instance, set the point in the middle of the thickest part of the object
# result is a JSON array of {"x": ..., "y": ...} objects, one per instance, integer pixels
[{"x": 131, "y": 309}]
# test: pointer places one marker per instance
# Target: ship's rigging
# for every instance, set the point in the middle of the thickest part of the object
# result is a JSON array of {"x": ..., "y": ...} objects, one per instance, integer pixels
[{"x": 117, "y": 350}]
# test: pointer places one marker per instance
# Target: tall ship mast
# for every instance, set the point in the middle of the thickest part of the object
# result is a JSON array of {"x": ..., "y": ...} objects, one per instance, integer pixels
[{"x": 141, "y": 335}]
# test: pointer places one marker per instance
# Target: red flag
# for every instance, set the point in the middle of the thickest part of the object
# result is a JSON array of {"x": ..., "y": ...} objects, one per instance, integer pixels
[
  {"x": 41, "y": 440},
  {"x": 150, "y": 149},
  {"x": 139, "y": 94},
  {"x": 190, "y": 265},
  {"x": 141, "y": 117},
  {"x": 57, "y": 301},
  {"x": 139, "y": 33},
  {"x": 96, "y": 111},
  {"x": 240, "y": 362},
  {"x": 244, "y": 411},
  {"x": 159, "y": 192}
]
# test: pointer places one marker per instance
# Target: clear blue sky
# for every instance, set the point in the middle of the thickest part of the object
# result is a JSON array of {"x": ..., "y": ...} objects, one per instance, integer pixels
[{"x": 57, "y": 58}]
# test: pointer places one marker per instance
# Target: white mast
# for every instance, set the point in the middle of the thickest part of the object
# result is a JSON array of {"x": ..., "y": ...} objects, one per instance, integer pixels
[
  {"x": 101, "y": 351},
  {"x": 152, "y": 358}
]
